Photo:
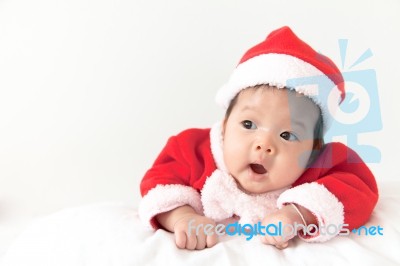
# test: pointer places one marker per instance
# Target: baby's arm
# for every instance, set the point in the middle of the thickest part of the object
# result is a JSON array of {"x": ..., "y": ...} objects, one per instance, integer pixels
[
  {"x": 171, "y": 181},
  {"x": 287, "y": 215},
  {"x": 183, "y": 222},
  {"x": 339, "y": 190}
]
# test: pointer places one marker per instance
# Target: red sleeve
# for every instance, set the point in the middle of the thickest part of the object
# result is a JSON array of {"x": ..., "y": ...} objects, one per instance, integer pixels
[
  {"x": 170, "y": 167},
  {"x": 347, "y": 177},
  {"x": 177, "y": 175},
  {"x": 338, "y": 188},
  {"x": 185, "y": 160}
]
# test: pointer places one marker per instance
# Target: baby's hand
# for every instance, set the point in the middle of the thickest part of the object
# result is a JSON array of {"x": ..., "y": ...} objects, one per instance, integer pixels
[
  {"x": 183, "y": 221},
  {"x": 287, "y": 216},
  {"x": 186, "y": 235}
]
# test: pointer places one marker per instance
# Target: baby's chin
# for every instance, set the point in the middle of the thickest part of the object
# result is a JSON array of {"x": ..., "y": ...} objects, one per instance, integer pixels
[
  {"x": 257, "y": 188},
  {"x": 252, "y": 188}
]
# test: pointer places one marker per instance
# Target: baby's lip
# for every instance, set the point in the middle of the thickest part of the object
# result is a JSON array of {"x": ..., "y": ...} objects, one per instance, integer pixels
[{"x": 258, "y": 168}]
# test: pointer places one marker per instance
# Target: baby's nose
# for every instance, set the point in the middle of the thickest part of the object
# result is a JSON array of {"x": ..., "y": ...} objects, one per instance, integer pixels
[
  {"x": 267, "y": 149},
  {"x": 265, "y": 144}
]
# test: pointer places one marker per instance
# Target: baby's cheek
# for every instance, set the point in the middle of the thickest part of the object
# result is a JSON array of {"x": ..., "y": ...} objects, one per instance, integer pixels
[
  {"x": 234, "y": 149},
  {"x": 229, "y": 154},
  {"x": 303, "y": 158},
  {"x": 232, "y": 155}
]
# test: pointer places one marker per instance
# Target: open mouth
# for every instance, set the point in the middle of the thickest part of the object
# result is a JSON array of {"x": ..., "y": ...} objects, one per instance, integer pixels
[{"x": 258, "y": 168}]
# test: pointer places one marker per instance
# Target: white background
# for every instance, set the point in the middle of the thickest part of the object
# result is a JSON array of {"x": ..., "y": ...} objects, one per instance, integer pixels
[{"x": 91, "y": 90}]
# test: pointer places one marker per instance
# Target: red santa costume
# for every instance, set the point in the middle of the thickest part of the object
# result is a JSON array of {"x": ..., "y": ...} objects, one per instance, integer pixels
[{"x": 338, "y": 188}]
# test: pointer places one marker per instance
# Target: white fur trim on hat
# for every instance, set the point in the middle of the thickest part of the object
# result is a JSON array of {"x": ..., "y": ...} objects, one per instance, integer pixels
[
  {"x": 282, "y": 70},
  {"x": 310, "y": 196}
]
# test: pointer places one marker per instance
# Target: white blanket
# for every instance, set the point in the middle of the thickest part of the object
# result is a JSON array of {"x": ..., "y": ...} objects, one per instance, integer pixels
[{"x": 111, "y": 234}]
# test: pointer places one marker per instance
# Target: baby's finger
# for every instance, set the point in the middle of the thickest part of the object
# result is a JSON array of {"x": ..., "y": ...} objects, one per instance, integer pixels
[
  {"x": 212, "y": 240},
  {"x": 282, "y": 245},
  {"x": 264, "y": 241},
  {"x": 191, "y": 241},
  {"x": 269, "y": 240},
  {"x": 201, "y": 241},
  {"x": 180, "y": 239}
]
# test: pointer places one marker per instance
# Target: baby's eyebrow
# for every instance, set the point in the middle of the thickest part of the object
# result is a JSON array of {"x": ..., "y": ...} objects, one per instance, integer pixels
[
  {"x": 247, "y": 107},
  {"x": 298, "y": 123}
]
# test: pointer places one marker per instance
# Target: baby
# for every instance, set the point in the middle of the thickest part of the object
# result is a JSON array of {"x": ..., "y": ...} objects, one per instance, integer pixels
[{"x": 266, "y": 161}]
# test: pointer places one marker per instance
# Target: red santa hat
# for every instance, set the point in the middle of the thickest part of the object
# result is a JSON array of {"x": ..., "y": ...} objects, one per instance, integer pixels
[{"x": 284, "y": 60}]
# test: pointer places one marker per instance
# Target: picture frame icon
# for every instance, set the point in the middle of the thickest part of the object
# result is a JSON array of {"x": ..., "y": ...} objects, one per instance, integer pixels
[
  {"x": 358, "y": 113},
  {"x": 360, "y": 110}
]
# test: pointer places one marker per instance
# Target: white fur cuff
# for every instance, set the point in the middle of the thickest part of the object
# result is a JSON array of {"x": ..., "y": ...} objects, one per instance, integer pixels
[
  {"x": 322, "y": 203},
  {"x": 164, "y": 198}
]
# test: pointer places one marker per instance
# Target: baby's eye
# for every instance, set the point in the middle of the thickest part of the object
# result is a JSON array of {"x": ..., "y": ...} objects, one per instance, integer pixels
[
  {"x": 288, "y": 136},
  {"x": 249, "y": 124}
]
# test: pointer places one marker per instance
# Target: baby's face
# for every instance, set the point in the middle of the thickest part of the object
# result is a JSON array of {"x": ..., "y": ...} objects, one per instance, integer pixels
[{"x": 268, "y": 138}]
